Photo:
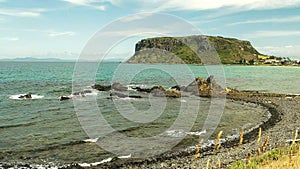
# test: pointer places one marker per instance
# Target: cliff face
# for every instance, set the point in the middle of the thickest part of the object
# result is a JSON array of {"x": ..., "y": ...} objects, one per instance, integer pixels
[{"x": 193, "y": 50}]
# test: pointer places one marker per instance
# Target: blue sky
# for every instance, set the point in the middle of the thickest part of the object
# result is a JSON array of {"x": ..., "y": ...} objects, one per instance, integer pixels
[{"x": 61, "y": 28}]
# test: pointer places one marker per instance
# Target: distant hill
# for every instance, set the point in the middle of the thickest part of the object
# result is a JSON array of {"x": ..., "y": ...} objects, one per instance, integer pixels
[
  {"x": 32, "y": 59},
  {"x": 175, "y": 50}
]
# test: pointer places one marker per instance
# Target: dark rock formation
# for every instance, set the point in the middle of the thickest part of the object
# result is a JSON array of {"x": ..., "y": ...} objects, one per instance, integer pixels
[
  {"x": 158, "y": 91},
  {"x": 62, "y": 98},
  {"x": 205, "y": 88},
  {"x": 118, "y": 87},
  {"x": 25, "y": 96},
  {"x": 173, "y": 93},
  {"x": 122, "y": 95},
  {"x": 147, "y": 90},
  {"x": 176, "y": 87},
  {"x": 83, "y": 93},
  {"x": 101, "y": 87}
]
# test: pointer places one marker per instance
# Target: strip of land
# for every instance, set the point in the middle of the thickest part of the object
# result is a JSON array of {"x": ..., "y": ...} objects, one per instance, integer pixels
[{"x": 279, "y": 128}]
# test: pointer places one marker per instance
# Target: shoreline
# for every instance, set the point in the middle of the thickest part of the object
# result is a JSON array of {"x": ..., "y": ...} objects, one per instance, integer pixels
[
  {"x": 284, "y": 110},
  {"x": 230, "y": 151}
]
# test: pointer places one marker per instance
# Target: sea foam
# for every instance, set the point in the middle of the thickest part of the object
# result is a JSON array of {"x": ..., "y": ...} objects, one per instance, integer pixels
[
  {"x": 95, "y": 163},
  {"x": 17, "y": 97}
]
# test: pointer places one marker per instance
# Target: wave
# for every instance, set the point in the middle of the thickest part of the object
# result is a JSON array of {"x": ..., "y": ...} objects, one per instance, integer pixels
[
  {"x": 103, "y": 161},
  {"x": 196, "y": 133},
  {"x": 125, "y": 156},
  {"x": 19, "y": 125},
  {"x": 95, "y": 163},
  {"x": 132, "y": 86},
  {"x": 85, "y": 93},
  {"x": 91, "y": 140},
  {"x": 25, "y": 97},
  {"x": 182, "y": 133}
]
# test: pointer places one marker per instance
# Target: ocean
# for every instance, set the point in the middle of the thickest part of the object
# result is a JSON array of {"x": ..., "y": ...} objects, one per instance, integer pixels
[{"x": 46, "y": 131}]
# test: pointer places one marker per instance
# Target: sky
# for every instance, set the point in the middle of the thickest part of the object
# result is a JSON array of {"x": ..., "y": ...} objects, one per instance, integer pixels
[{"x": 63, "y": 28}]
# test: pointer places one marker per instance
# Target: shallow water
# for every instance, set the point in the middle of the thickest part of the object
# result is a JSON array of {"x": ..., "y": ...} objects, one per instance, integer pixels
[{"x": 46, "y": 130}]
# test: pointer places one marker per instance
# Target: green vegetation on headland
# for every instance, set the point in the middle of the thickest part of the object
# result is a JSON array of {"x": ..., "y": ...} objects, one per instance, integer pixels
[{"x": 202, "y": 50}]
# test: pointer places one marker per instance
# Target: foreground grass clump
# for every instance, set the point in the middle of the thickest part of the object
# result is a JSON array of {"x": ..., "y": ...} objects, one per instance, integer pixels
[{"x": 287, "y": 157}]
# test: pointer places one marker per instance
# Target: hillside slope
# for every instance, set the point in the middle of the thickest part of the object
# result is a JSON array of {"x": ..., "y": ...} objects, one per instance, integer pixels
[{"x": 193, "y": 50}]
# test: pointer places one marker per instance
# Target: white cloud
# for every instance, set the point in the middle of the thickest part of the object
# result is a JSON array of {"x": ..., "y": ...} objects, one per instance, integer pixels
[
  {"x": 89, "y": 3},
  {"x": 292, "y": 51},
  {"x": 22, "y": 12},
  {"x": 9, "y": 38},
  {"x": 135, "y": 17},
  {"x": 206, "y": 5},
  {"x": 271, "y": 20},
  {"x": 196, "y": 5},
  {"x": 264, "y": 34},
  {"x": 55, "y": 34}
]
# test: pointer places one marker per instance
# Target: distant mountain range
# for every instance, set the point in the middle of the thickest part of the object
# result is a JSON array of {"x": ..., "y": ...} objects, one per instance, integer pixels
[{"x": 32, "y": 59}]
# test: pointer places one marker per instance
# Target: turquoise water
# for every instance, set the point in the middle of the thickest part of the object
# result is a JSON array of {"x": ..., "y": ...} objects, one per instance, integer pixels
[{"x": 44, "y": 129}]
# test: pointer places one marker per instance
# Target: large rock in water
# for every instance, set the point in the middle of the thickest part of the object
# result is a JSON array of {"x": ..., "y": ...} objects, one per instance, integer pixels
[
  {"x": 205, "y": 87},
  {"x": 188, "y": 49},
  {"x": 101, "y": 87},
  {"x": 118, "y": 87}
]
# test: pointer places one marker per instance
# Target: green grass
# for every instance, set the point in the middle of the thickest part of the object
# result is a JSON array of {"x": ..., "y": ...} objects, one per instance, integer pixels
[{"x": 282, "y": 157}]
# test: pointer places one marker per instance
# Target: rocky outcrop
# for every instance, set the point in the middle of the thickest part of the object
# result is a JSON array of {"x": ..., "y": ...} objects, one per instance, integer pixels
[
  {"x": 193, "y": 50},
  {"x": 122, "y": 95},
  {"x": 62, "y": 98},
  {"x": 205, "y": 87},
  {"x": 118, "y": 87},
  {"x": 200, "y": 87},
  {"x": 115, "y": 86},
  {"x": 101, "y": 87},
  {"x": 25, "y": 96}
]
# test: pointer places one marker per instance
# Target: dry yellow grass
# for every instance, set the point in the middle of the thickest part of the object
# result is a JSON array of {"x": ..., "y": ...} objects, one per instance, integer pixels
[
  {"x": 263, "y": 146},
  {"x": 259, "y": 136},
  {"x": 284, "y": 162},
  {"x": 218, "y": 146},
  {"x": 198, "y": 149},
  {"x": 241, "y": 137},
  {"x": 287, "y": 157}
]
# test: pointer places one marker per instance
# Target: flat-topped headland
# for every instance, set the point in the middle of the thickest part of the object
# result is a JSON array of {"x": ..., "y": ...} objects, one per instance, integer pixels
[{"x": 202, "y": 49}]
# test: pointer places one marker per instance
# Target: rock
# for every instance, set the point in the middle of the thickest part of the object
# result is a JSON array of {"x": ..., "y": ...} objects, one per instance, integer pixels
[
  {"x": 135, "y": 96},
  {"x": 205, "y": 88},
  {"x": 158, "y": 91},
  {"x": 210, "y": 79},
  {"x": 176, "y": 87},
  {"x": 173, "y": 93},
  {"x": 64, "y": 98},
  {"x": 101, "y": 87},
  {"x": 118, "y": 87},
  {"x": 142, "y": 89},
  {"x": 79, "y": 94},
  {"x": 87, "y": 91},
  {"x": 25, "y": 96},
  {"x": 82, "y": 94},
  {"x": 121, "y": 95},
  {"x": 192, "y": 87}
]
